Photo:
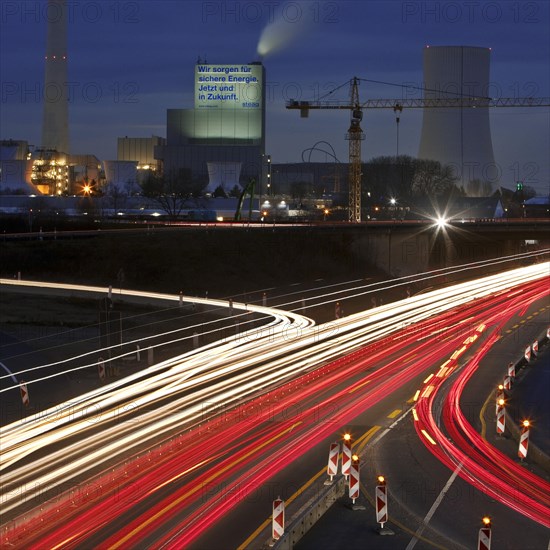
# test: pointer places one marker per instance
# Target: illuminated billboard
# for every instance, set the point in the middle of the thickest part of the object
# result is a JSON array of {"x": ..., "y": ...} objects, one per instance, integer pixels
[{"x": 228, "y": 87}]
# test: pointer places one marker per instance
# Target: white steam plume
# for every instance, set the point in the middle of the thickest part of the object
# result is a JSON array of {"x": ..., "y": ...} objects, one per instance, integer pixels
[{"x": 289, "y": 23}]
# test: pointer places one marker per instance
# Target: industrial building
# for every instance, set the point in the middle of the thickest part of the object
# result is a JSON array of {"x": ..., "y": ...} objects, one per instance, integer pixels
[{"x": 221, "y": 141}]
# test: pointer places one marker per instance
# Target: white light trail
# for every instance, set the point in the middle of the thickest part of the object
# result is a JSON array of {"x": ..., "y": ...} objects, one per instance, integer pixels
[{"x": 171, "y": 396}]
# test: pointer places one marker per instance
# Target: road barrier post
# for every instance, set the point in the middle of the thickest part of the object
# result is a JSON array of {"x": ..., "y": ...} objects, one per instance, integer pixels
[
  {"x": 511, "y": 371},
  {"x": 484, "y": 536},
  {"x": 381, "y": 498},
  {"x": 278, "y": 523},
  {"x": 101, "y": 368},
  {"x": 354, "y": 478},
  {"x": 24, "y": 393},
  {"x": 346, "y": 455},
  {"x": 524, "y": 440},
  {"x": 332, "y": 467},
  {"x": 501, "y": 418},
  {"x": 499, "y": 396}
]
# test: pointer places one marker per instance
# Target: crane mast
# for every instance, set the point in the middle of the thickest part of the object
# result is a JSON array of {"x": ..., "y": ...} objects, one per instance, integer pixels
[{"x": 355, "y": 135}]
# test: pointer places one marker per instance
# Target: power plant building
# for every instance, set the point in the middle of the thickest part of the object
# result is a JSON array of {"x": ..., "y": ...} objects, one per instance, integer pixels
[
  {"x": 141, "y": 150},
  {"x": 222, "y": 140},
  {"x": 459, "y": 136}
]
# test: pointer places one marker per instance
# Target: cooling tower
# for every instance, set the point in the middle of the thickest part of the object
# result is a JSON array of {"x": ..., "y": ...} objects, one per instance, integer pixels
[
  {"x": 223, "y": 174},
  {"x": 459, "y": 136},
  {"x": 55, "y": 125}
]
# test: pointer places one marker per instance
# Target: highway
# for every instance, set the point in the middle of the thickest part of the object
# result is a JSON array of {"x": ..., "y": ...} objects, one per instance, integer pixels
[{"x": 180, "y": 445}]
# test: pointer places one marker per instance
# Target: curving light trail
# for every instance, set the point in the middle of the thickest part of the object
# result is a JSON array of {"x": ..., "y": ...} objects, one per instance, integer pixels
[
  {"x": 481, "y": 464},
  {"x": 169, "y": 399}
]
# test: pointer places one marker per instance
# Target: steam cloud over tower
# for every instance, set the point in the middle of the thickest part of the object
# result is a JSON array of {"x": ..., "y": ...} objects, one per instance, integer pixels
[
  {"x": 55, "y": 126},
  {"x": 461, "y": 136}
]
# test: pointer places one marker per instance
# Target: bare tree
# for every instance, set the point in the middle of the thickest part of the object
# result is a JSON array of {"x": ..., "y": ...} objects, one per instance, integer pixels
[
  {"x": 432, "y": 179},
  {"x": 173, "y": 191}
]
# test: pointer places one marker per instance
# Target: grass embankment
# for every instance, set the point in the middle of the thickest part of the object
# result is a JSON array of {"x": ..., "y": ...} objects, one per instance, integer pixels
[{"x": 223, "y": 262}]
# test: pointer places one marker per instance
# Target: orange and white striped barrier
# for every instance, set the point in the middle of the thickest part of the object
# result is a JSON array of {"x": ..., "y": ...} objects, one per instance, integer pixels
[
  {"x": 535, "y": 347},
  {"x": 501, "y": 417},
  {"x": 499, "y": 396},
  {"x": 101, "y": 368},
  {"x": 548, "y": 333},
  {"x": 24, "y": 393},
  {"x": 346, "y": 456},
  {"x": 527, "y": 353},
  {"x": 381, "y": 499},
  {"x": 484, "y": 536},
  {"x": 507, "y": 383},
  {"x": 354, "y": 479},
  {"x": 524, "y": 440},
  {"x": 278, "y": 524},
  {"x": 332, "y": 467},
  {"x": 512, "y": 371}
]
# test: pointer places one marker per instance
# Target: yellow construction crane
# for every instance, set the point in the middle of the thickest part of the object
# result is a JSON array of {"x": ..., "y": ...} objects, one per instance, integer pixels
[{"x": 355, "y": 135}]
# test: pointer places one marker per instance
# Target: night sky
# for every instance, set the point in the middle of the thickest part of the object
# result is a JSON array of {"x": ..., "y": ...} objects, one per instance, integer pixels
[{"x": 129, "y": 61}]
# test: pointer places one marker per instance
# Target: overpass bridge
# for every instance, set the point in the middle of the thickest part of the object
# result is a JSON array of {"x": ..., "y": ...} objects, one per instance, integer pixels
[{"x": 412, "y": 246}]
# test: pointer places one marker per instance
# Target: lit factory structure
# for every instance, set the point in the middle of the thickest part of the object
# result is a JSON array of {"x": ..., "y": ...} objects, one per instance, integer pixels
[{"x": 458, "y": 136}]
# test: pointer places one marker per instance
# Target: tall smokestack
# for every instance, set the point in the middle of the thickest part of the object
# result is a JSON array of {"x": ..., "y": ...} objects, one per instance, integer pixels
[{"x": 55, "y": 125}]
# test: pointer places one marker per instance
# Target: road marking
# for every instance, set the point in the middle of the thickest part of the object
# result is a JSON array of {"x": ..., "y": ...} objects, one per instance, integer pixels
[
  {"x": 428, "y": 437},
  {"x": 482, "y": 416},
  {"x": 10, "y": 373},
  {"x": 392, "y": 425},
  {"x": 394, "y": 413},
  {"x": 366, "y": 438},
  {"x": 432, "y": 510},
  {"x": 360, "y": 386}
]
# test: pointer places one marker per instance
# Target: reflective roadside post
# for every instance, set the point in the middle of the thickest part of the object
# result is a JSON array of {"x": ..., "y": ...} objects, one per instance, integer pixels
[
  {"x": 278, "y": 524},
  {"x": 501, "y": 418},
  {"x": 346, "y": 455},
  {"x": 511, "y": 370},
  {"x": 354, "y": 479},
  {"x": 500, "y": 395},
  {"x": 484, "y": 536},
  {"x": 332, "y": 466},
  {"x": 524, "y": 440},
  {"x": 381, "y": 503}
]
